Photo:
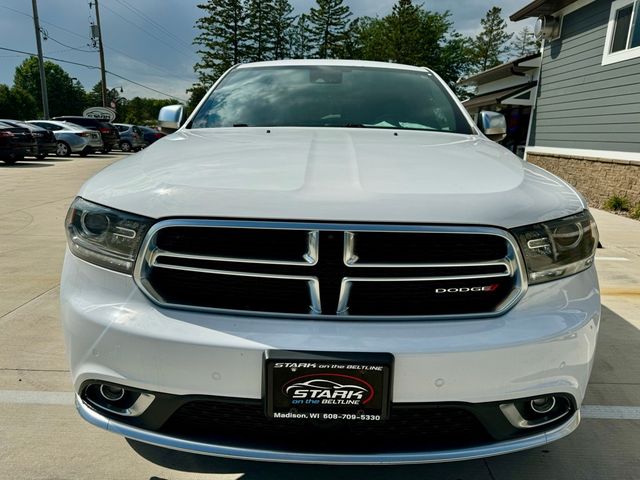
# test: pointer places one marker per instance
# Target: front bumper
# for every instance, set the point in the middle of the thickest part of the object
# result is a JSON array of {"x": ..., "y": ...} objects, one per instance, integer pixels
[
  {"x": 544, "y": 345},
  {"x": 267, "y": 455}
]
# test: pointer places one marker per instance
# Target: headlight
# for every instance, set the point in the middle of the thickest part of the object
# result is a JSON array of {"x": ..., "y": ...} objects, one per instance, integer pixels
[
  {"x": 558, "y": 248},
  {"x": 105, "y": 237}
]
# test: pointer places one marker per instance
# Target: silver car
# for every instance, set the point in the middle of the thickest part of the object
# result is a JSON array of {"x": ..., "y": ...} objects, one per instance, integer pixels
[
  {"x": 131, "y": 137},
  {"x": 71, "y": 138}
]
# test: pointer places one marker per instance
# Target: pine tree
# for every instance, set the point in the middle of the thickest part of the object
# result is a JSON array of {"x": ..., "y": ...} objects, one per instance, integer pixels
[
  {"x": 353, "y": 45},
  {"x": 283, "y": 20},
  {"x": 405, "y": 35},
  {"x": 222, "y": 39},
  {"x": 525, "y": 43},
  {"x": 411, "y": 34},
  {"x": 328, "y": 25},
  {"x": 300, "y": 43},
  {"x": 491, "y": 44},
  {"x": 260, "y": 23}
]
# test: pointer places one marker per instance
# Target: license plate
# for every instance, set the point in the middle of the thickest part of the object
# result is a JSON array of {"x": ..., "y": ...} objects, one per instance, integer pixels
[{"x": 328, "y": 386}]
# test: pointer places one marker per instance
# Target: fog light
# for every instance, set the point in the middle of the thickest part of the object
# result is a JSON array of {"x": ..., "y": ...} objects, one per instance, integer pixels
[
  {"x": 543, "y": 405},
  {"x": 117, "y": 399},
  {"x": 113, "y": 394}
]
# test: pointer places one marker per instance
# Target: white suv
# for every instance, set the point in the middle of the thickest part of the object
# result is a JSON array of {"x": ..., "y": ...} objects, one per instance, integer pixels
[{"x": 330, "y": 262}]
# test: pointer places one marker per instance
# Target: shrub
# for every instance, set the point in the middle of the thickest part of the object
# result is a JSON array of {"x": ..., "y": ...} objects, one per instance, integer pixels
[
  {"x": 635, "y": 213},
  {"x": 617, "y": 203}
]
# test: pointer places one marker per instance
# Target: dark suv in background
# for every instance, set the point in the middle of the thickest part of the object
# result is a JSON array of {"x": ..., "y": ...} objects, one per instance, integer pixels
[
  {"x": 45, "y": 140},
  {"x": 15, "y": 143},
  {"x": 110, "y": 134}
]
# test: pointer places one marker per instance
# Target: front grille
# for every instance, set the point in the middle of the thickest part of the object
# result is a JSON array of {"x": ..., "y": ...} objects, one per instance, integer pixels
[
  {"x": 409, "y": 428},
  {"x": 329, "y": 271}
]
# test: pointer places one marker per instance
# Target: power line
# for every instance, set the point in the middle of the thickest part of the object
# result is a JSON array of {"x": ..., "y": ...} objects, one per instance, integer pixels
[
  {"x": 93, "y": 67},
  {"x": 152, "y": 65},
  {"x": 152, "y": 35},
  {"x": 17, "y": 11},
  {"x": 49, "y": 37},
  {"x": 151, "y": 21},
  {"x": 44, "y": 21}
]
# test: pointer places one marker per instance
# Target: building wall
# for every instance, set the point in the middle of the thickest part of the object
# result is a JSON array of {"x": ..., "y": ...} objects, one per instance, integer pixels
[
  {"x": 581, "y": 103},
  {"x": 596, "y": 178}
]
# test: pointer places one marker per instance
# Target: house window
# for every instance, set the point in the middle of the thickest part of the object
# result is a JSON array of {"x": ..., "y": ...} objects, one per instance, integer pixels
[{"x": 623, "y": 33}]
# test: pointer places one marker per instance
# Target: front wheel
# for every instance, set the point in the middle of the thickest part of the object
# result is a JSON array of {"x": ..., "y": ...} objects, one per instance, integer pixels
[
  {"x": 62, "y": 149},
  {"x": 10, "y": 160},
  {"x": 125, "y": 146}
]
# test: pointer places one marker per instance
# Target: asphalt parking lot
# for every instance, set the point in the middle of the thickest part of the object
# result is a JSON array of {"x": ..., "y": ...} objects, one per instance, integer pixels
[{"x": 41, "y": 436}]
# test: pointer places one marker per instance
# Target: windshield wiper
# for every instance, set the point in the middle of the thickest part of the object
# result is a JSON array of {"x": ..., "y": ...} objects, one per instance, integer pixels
[{"x": 240, "y": 124}]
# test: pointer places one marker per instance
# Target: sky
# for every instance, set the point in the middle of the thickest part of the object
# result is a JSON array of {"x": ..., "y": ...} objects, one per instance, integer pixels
[{"x": 154, "y": 49}]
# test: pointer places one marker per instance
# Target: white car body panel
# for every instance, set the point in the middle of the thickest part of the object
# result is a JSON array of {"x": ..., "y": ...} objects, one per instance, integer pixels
[
  {"x": 543, "y": 345},
  {"x": 332, "y": 174}
]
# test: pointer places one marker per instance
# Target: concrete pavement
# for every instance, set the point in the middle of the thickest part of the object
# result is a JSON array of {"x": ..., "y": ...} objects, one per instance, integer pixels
[{"x": 41, "y": 436}]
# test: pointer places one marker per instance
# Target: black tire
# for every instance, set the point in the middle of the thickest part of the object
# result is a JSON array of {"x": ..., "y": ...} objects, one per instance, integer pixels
[
  {"x": 10, "y": 160},
  {"x": 63, "y": 149},
  {"x": 84, "y": 153},
  {"x": 125, "y": 146},
  {"x": 41, "y": 156}
]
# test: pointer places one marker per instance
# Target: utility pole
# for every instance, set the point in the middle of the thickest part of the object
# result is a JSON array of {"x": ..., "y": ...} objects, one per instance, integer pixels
[
  {"x": 103, "y": 72},
  {"x": 43, "y": 77}
]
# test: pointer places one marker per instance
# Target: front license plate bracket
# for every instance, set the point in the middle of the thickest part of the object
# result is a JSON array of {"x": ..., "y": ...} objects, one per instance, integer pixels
[{"x": 327, "y": 386}]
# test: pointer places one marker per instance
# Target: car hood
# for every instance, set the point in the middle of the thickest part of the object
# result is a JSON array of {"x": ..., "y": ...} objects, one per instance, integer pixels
[{"x": 330, "y": 174}]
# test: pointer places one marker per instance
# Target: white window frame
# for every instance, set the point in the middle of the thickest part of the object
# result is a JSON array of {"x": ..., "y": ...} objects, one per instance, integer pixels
[{"x": 629, "y": 53}]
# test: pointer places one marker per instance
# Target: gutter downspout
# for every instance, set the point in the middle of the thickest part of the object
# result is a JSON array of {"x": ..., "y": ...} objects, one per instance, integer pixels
[{"x": 534, "y": 107}]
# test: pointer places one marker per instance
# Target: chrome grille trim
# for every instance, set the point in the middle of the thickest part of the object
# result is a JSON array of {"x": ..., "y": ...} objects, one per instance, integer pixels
[
  {"x": 312, "y": 282},
  {"x": 513, "y": 264},
  {"x": 309, "y": 258}
]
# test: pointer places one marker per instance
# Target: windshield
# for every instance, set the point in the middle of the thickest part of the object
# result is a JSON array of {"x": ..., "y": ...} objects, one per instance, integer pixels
[{"x": 331, "y": 96}]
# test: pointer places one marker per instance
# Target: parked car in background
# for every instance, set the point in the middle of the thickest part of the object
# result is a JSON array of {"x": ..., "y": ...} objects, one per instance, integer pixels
[
  {"x": 151, "y": 135},
  {"x": 109, "y": 133},
  {"x": 45, "y": 140},
  {"x": 131, "y": 137},
  {"x": 71, "y": 138},
  {"x": 15, "y": 143}
]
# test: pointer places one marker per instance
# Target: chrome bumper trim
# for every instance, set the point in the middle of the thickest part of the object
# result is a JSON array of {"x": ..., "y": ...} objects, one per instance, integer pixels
[{"x": 189, "y": 446}]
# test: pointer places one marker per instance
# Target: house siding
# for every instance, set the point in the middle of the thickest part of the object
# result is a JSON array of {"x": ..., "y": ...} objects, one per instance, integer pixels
[{"x": 583, "y": 104}]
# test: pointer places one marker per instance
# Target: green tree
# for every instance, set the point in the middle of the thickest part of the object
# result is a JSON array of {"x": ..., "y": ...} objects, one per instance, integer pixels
[
  {"x": 524, "y": 43},
  {"x": 283, "y": 20},
  {"x": 222, "y": 40},
  {"x": 66, "y": 97},
  {"x": 94, "y": 96},
  {"x": 412, "y": 35},
  {"x": 300, "y": 42},
  {"x": 144, "y": 111},
  {"x": 490, "y": 45},
  {"x": 260, "y": 23},
  {"x": 373, "y": 36},
  {"x": 405, "y": 37},
  {"x": 16, "y": 103},
  {"x": 328, "y": 27},
  {"x": 353, "y": 46},
  {"x": 196, "y": 93}
]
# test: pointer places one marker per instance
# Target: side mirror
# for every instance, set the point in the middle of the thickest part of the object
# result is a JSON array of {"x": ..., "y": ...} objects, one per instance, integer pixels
[
  {"x": 170, "y": 118},
  {"x": 493, "y": 125}
]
